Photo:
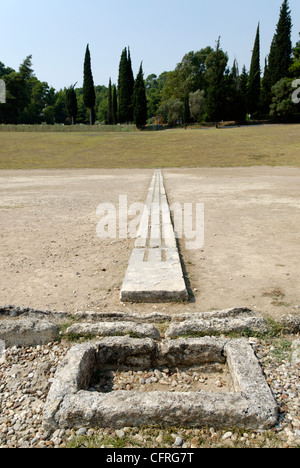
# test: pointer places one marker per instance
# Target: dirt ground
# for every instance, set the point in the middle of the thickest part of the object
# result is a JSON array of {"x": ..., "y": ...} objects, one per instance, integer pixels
[{"x": 52, "y": 259}]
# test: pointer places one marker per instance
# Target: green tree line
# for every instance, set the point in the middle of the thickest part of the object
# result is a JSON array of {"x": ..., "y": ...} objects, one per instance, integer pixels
[{"x": 202, "y": 88}]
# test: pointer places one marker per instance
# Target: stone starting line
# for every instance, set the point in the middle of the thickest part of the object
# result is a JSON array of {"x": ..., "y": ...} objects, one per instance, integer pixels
[{"x": 154, "y": 272}]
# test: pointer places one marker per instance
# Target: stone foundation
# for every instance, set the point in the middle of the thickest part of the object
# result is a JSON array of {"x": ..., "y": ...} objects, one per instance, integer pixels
[{"x": 70, "y": 404}]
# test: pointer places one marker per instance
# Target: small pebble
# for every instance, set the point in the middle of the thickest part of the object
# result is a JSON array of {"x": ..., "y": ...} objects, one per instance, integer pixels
[
  {"x": 178, "y": 442},
  {"x": 227, "y": 435}
]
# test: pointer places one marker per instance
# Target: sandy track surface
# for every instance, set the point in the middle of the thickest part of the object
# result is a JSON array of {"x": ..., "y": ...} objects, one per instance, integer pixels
[{"x": 52, "y": 259}]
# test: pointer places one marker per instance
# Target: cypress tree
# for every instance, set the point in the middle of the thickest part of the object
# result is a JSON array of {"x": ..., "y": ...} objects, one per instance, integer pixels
[
  {"x": 216, "y": 64},
  {"x": 71, "y": 101},
  {"x": 109, "y": 107},
  {"x": 140, "y": 100},
  {"x": 244, "y": 78},
  {"x": 243, "y": 83},
  {"x": 122, "y": 88},
  {"x": 254, "y": 77},
  {"x": 280, "y": 58},
  {"x": 266, "y": 90},
  {"x": 130, "y": 86},
  {"x": 235, "y": 99},
  {"x": 114, "y": 105},
  {"x": 125, "y": 88},
  {"x": 89, "y": 95}
]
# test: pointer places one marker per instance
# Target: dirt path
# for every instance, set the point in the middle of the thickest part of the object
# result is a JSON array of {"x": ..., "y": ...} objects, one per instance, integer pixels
[{"x": 51, "y": 256}]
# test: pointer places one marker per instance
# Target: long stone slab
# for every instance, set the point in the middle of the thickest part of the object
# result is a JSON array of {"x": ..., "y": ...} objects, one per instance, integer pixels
[
  {"x": 144, "y": 330},
  {"x": 154, "y": 272}
]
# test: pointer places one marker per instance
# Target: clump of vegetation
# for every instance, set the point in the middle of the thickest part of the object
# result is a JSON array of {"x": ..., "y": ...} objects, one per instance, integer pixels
[{"x": 202, "y": 87}]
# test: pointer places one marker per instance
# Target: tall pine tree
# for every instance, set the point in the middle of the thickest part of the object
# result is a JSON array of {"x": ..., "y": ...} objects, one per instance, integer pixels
[
  {"x": 125, "y": 88},
  {"x": 216, "y": 64},
  {"x": 254, "y": 77},
  {"x": 122, "y": 88},
  {"x": 71, "y": 102},
  {"x": 295, "y": 67},
  {"x": 89, "y": 95},
  {"x": 109, "y": 105},
  {"x": 280, "y": 58},
  {"x": 139, "y": 100},
  {"x": 236, "y": 94},
  {"x": 266, "y": 90},
  {"x": 243, "y": 83},
  {"x": 114, "y": 105},
  {"x": 131, "y": 81}
]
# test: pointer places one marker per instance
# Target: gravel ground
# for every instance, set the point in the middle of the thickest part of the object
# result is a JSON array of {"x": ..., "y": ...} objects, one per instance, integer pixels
[
  {"x": 26, "y": 375},
  {"x": 214, "y": 377}
]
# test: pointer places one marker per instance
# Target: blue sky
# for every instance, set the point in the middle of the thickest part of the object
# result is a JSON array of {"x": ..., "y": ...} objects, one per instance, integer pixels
[{"x": 159, "y": 33}]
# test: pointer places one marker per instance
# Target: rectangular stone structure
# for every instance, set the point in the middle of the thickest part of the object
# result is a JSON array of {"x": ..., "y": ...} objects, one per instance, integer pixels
[
  {"x": 154, "y": 272},
  {"x": 249, "y": 404}
]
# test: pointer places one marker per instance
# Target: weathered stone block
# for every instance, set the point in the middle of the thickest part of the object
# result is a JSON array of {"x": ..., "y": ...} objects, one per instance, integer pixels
[
  {"x": 114, "y": 329},
  {"x": 25, "y": 332}
]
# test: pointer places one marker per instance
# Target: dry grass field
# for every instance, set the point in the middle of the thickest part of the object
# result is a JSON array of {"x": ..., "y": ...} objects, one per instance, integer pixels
[{"x": 273, "y": 145}]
